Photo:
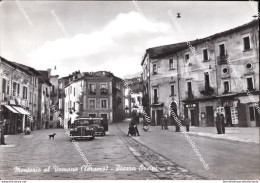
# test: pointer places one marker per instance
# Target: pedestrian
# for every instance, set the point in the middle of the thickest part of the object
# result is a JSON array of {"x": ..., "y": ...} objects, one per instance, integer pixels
[
  {"x": 162, "y": 123},
  {"x": 218, "y": 123},
  {"x": 2, "y": 132},
  {"x": 166, "y": 122},
  {"x": 187, "y": 123},
  {"x": 222, "y": 122},
  {"x": 134, "y": 124}
]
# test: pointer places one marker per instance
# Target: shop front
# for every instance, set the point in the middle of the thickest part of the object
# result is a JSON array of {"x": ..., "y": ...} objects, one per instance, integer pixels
[{"x": 191, "y": 110}]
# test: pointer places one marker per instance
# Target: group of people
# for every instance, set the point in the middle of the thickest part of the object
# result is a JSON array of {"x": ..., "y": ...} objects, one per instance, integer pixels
[
  {"x": 184, "y": 120},
  {"x": 220, "y": 123}
]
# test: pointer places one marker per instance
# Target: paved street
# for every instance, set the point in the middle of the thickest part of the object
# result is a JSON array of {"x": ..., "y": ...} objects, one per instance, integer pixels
[
  {"x": 37, "y": 150},
  {"x": 168, "y": 151},
  {"x": 226, "y": 159}
]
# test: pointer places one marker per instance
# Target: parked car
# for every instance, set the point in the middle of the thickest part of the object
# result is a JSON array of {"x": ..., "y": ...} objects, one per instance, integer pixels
[
  {"x": 82, "y": 128},
  {"x": 98, "y": 124}
]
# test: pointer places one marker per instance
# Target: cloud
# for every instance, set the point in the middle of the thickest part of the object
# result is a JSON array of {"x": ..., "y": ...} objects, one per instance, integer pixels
[{"x": 119, "y": 43}]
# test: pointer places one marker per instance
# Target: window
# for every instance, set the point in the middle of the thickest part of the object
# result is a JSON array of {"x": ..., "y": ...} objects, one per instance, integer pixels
[
  {"x": 74, "y": 105},
  {"x": 154, "y": 69},
  {"x": 225, "y": 70},
  {"x": 7, "y": 87},
  {"x": 4, "y": 86},
  {"x": 14, "y": 88},
  {"x": 249, "y": 66},
  {"x": 30, "y": 96},
  {"x": 103, "y": 104},
  {"x": 221, "y": 50},
  {"x": 206, "y": 76},
  {"x": 172, "y": 90},
  {"x": 246, "y": 43},
  {"x": 250, "y": 85},
  {"x": 52, "y": 88},
  {"x": 171, "y": 63},
  {"x": 252, "y": 113},
  {"x": 92, "y": 104},
  {"x": 187, "y": 58},
  {"x": 103, "y": 86},
  {"x": 189, "y": 87},
  {"x": 205, "y": 54},
  {"x": 92, "y": 88},
  {"x": 24, "y": 92},
  {"x": 226, "y": 86},
  {"x": 35, "y": 98},
  {"x": 46, "y": 91},
  {"x": 18, "y": 89},
  {"x": 155, "y": 95}
]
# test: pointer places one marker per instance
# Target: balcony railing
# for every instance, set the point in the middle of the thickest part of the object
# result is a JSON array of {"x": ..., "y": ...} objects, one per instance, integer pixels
[
  {"x": 206, "y": 90},
  {"x": 92, "y": 92},
  {"x": 222, "y": 59},
  {"x": 103, "y": 91},
  {"x": 190, "y": 95}
]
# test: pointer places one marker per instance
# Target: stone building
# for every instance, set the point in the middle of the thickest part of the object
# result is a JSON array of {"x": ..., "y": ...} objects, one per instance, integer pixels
[
  {"x": 18, "y": 96},
  {"x": 98, "y": 94},
  {"x": 220, "y": 71},
  {"x": 134, "y": 95},
  {"x": 44, "y": 100}
]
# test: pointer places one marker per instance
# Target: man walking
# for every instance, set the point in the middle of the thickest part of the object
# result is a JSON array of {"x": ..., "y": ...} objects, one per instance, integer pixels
[
  {"x": 187, "y": 123},
  {"x": 222, "y": 122},
  {"x": 218, "y": 123},
  {"x": 166, "y": 122}
]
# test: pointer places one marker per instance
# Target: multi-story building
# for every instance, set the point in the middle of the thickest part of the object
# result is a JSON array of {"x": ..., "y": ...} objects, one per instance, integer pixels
[
  {"x": 62, "y": 83},
  {"x": 134, "y": 95},
  {"x": 98, "y": 94},
  {"x": 18, "y": 96},
  {"x": 44, "y": 100},
  {"x": 217, "y": 72},
  {"x": 54, "y": 97}
]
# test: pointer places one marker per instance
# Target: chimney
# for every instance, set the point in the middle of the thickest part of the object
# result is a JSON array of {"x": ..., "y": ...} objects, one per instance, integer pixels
[{"x": 49, "y": 72}]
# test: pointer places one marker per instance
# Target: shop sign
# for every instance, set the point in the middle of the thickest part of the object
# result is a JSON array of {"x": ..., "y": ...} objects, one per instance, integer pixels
[
  {"x": 12, "y": 102},
  {"x": 234, "y": 115},
  {"x": 190, "y": 105},
  {"x": 227, "y": 103}
]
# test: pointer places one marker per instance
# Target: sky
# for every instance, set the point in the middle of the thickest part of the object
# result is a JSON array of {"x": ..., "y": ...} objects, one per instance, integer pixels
[{"x": 107, "y": 35}]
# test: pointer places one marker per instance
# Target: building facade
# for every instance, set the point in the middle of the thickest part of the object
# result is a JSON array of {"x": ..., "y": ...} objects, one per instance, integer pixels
[
  {"x": 98, "y": 94},
  {"x": 44, "y": 101},
  {"x": 198, "y": 77},
  {"x": 18, "y": 96}
]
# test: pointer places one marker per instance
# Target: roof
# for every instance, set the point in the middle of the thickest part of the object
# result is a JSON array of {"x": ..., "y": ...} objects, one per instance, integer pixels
[
  {"x": 160, "y": 51},
  {"x": 29, "y": 70}
]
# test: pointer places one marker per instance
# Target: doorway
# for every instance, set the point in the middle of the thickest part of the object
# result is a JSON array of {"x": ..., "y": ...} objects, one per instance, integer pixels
[
  {"x": 153, "y": 117},
  {"x": 210, "y": 115},
  {"x": 192, "y": 116},
  {"x": 228, "y": 116},
  {"x": 105, "y": 123},
  {"x": 159, "y": 116}
]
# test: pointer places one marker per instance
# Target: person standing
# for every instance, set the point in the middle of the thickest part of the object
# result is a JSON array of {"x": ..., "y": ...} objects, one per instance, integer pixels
[
  {"x": 218, "y": 123},
  {"x": 222, "y": 122},
  {"x": 166, "y": 122},
  {"x": 187, "y": 123},
  {"x": 2, "y": 132},
  {"x": 163, "y": 123}
]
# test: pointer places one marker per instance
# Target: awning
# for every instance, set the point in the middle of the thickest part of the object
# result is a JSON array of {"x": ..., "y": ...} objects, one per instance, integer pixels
[
  {"x": 21, "y": 110},
  {"x": 11, "y": 109}
]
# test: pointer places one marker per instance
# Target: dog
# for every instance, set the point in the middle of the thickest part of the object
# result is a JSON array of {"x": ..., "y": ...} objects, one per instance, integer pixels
[{"x": 52, "y": 136}]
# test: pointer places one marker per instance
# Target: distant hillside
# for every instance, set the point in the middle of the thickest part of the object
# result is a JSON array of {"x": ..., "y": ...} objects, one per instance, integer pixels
[{"x": 132, "y": 75}]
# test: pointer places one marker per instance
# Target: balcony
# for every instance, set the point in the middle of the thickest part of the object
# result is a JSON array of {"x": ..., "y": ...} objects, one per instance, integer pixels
[
  {"x": 103, "y": 91},
  {"x": 206, "y": 90},
  {"x": 222, "y": 59},
  {"x": 190, "y": 95},
  {"x": 53, "y": 94}
]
